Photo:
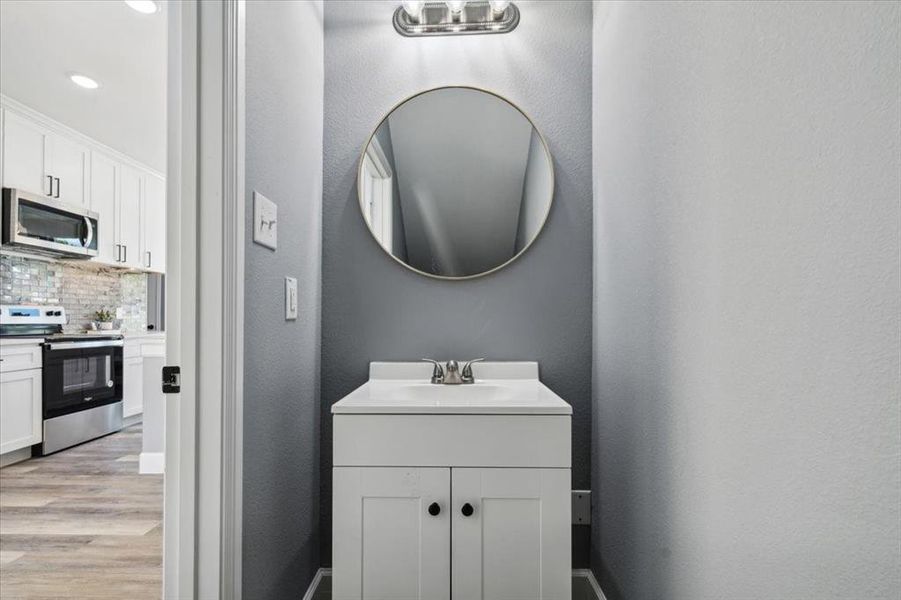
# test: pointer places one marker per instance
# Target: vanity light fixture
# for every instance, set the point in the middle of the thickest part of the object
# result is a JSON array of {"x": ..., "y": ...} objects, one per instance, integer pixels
[
  {"x": 455, "y": 17},
  {"x": 84, "y": 81},
  {"x": 147, "y": 7}
]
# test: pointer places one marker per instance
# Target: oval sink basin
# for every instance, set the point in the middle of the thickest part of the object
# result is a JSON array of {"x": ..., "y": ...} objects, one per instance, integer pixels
[{"x": 477, "y": 394}]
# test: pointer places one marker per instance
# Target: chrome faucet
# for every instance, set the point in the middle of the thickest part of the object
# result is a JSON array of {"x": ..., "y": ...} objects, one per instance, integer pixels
[{"x": 451, "y": 374}]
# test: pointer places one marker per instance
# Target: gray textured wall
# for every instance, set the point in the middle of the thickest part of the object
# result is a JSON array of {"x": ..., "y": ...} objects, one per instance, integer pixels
[
  {"x": 284, "y": 86},
  {"x": 746, "y": 423},
  {"x": 538, "y": 308}
]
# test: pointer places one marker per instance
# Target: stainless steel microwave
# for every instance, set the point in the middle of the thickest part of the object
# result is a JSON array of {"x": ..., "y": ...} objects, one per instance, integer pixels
[{"x": 40, "y": 225}]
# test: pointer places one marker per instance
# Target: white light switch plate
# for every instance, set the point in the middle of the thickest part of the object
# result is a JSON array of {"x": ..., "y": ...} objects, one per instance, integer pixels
[
  {"x": 290, "y": 299},
  {"x": 265, "y": 221}
]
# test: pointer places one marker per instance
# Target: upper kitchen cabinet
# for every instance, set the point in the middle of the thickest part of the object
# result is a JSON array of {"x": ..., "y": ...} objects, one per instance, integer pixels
[
  {"x": 45, "y": 157},
  {"x": 40, "y": 161},
  {"x": 67, "y": 163},
  {"x": 154, "y": 223},
  {"x": 104, "y": 200},
  {"x": 131, "y": 189},
  {"x": 24, "y": 145}
]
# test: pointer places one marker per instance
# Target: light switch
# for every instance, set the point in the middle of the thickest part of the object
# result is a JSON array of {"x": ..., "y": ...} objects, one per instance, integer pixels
[
  {"x": 290, "y": 299},
  {"x": 265, "y": 221}
]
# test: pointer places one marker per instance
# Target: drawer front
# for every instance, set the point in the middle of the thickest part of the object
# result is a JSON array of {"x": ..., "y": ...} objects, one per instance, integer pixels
[
  {"x": 452, "y": 440},
  {"x": 131, "y": 349},
  {"x": 154, "y": 349},
  {"x": 20, "y": 358}
]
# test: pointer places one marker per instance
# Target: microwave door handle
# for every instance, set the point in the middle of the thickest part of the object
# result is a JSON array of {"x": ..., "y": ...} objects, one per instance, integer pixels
[{"x": 90, "y": 236}]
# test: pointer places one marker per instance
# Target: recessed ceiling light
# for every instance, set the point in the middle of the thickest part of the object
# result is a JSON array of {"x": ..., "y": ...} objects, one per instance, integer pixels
[
  {"x": 84, "y": 81},
  {"x": 148, "y": 7}
]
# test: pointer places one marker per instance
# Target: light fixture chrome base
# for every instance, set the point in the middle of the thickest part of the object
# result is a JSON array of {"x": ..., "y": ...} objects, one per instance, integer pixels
[{"x": 437, "y": 19}]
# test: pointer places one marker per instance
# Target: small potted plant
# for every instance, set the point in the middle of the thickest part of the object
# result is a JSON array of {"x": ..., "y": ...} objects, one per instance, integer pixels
[{"x": 103, "y": 319}]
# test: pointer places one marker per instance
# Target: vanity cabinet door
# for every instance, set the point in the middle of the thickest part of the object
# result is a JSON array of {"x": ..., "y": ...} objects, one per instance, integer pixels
[
  {"x": 511, "y": 534},
  {"x": 391, "y": 533}
]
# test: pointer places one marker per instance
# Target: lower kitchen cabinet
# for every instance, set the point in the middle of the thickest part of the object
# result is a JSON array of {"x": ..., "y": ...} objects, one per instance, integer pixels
[
  {"x": 460, "y": 533},
  {"x": 132, "y": 386},
  {"x": 20, "y": 409}
]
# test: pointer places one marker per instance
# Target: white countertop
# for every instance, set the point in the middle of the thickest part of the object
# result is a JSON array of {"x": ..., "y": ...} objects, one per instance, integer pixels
[
  {"x": 21, "y": 341},
  {"x": 500, "y": 388}
]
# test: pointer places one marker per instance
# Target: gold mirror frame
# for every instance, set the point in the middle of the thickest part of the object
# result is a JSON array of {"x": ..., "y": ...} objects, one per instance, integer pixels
[{"x": 544, "y": 144}]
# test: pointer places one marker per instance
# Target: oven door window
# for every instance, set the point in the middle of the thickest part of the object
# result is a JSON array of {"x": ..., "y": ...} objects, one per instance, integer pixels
[{"x": 81, "y": 378}]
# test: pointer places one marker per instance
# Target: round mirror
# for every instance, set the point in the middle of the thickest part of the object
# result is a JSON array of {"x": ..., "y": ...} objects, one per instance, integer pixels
[{"x": 455, "y": 182}]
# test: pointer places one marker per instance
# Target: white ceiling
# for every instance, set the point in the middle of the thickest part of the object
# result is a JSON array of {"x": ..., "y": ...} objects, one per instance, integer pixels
[{"x": 42, "y": 42}]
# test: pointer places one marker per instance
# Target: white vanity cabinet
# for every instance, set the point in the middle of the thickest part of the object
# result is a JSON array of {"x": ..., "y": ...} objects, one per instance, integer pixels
[
  {"x": 20, "y": 394},
  {"x": 452, "y": 492}
]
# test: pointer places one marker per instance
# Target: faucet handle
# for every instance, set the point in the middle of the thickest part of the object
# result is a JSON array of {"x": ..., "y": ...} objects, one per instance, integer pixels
[
  {"x": 437, "y": 372},
  {"x": 467, "y": 370}
]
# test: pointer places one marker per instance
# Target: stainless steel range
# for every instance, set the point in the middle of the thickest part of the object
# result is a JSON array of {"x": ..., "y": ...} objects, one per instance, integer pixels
[{"x": 82, "y": 376}]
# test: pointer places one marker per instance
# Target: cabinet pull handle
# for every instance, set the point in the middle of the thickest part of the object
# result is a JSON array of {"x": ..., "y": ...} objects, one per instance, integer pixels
[
  {"x": 57, "y": 187},
  {"x": 467, "y": 510},
  {"x": 125, "y": 256},
  {"x": 118, "y": 252},
  {"x": 148, "y": 259},
  {"x": 434, "y": 509},
  {"x": 50, "y": 178}
]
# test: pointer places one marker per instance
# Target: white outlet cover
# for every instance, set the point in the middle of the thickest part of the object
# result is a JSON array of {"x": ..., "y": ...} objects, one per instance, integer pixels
[
  {"x": 290, "y": 299},
  {"x": 265, "y": 221}
]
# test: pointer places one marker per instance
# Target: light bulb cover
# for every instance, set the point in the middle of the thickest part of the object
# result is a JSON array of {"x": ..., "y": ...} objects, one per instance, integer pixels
[
  {"x": 147, "y": 7},
  {"x": 84, "y": 81},
  {"x": 413, "y": 8},
  {"x": 456, "y": 6},
  {"x": 499, "y": 6}
]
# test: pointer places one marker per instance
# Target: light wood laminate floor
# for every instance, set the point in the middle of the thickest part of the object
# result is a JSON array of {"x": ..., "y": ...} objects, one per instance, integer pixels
[{"x": 82, "y": 523}]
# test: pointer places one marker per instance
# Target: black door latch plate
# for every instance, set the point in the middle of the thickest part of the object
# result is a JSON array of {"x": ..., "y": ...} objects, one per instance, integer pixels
[{"x": 171, "y": 380}]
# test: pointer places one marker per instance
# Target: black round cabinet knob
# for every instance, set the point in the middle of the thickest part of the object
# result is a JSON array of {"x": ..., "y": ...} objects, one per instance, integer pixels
[
  {"x": 467, "y": 510},
  {"x": 434, "y": 509}
]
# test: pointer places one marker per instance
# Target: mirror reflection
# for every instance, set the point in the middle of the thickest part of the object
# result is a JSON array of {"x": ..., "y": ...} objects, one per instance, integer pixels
[{"x": 455, "y": 182}]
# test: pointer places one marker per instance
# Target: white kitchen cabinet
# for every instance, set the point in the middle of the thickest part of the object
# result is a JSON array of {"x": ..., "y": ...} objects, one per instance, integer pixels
[
  {"x": 129, "y": 216},
  {"x": 44, "y": 157},
  {"x": 20, "y": 409},
  {"x": 394, "y": 540},
  {"x": 104, "y": 201},
  {"x": 154, "y": 224},
  {"x": 68, "y": 162},
  {"x": 24, "y": 154},
  {"x": 508, "y": 528},
  {"x": 132, "y": 385},
  {"x": 492, "y": 461}
]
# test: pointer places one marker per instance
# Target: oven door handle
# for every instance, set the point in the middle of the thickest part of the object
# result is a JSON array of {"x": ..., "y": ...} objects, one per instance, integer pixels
[{"x": 75, "y": 345}]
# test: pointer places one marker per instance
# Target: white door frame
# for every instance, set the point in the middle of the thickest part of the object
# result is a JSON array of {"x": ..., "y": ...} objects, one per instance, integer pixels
[{"x": 205, "y": 297}]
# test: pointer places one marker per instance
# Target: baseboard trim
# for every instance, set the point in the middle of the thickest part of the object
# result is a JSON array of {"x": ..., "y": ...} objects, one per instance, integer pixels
[
  {"x": 132, "y": 420},
  {"x": 151, "y": 462},
  {"x": 16, "y": 456},
  {"x": 314, "y": 585},
  {"x": 587, "y": 574},
  {"x": 582, "y": 573}
]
